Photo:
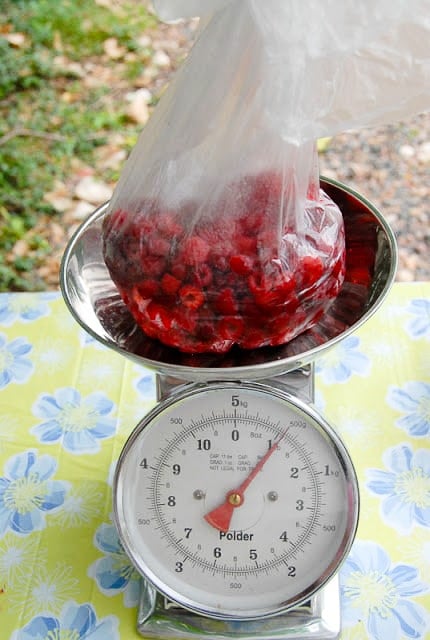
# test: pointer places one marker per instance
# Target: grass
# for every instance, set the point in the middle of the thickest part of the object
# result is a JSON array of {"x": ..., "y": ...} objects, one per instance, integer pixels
[{"x": 47, "y": 116}]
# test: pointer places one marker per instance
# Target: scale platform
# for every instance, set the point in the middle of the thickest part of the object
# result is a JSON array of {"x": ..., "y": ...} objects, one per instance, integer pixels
[{"x": 94, "y": 302}]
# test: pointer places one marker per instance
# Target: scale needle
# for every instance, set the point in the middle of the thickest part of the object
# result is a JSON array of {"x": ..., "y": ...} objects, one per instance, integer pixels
[{"x": 220, "y": 517}]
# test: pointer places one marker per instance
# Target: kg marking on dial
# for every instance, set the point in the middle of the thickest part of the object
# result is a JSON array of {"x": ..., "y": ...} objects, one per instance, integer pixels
[{"x": 235, "y": 500}]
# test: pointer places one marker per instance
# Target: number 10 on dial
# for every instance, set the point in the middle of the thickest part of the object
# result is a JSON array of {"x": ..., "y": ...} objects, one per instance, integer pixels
[{"x": 235, "y": 500}]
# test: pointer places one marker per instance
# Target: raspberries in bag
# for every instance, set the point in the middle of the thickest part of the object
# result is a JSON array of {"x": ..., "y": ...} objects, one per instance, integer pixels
[{"x": 218, "y": 233}]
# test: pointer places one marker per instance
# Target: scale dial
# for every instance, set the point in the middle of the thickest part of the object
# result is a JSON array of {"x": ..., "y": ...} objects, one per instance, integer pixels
[{"x": 235, "y": 500}]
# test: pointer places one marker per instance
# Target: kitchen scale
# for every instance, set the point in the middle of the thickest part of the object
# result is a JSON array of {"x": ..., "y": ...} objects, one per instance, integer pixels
[{"x": 234, "y": 498}]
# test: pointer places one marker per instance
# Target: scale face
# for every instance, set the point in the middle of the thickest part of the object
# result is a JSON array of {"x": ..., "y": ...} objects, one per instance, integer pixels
[{"x": 235, "y": 500}]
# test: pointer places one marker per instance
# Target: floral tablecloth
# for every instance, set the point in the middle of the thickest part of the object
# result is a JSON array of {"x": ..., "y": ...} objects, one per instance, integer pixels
[{"x": 67, "y": 405}]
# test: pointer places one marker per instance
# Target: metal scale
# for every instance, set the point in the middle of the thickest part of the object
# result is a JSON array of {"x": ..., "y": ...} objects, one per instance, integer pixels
[{"x": 234, "y": 498}]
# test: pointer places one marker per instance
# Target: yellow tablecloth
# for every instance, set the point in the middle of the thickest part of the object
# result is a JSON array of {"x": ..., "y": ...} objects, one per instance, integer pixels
[{"x": 67, "y": 405}]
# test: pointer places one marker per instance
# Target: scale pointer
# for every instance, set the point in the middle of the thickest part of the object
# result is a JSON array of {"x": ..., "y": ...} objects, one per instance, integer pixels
[{"x": 220, "y": 517}]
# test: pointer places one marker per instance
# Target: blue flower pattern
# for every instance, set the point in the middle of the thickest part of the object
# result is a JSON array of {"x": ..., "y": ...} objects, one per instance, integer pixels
[
  {"x": 404, "y": 488},
  {"x": 14, "y": 365},
  {"x": 146, "y": 385},
  {"x": 414, "y": 401},
  {"x": 76, "y": 622},
  {"x": 342, "y": 362},
  {"x": 380, "y": 594},
  {"x": 114, "y": 573},
  {"x": 78, "y": 423},
  {"x": 28, "y": 492},
  {"x": 419, "y": 326},
  {"x": 24, "y": 308}
]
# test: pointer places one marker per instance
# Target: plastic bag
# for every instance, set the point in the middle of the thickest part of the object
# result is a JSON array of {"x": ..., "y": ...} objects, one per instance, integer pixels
[{"x": 218, "y": 233}]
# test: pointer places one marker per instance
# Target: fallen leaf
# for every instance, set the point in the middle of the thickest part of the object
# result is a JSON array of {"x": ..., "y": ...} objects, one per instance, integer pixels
[
  {"x": 113, "y": 49},
  {"x": 17, "y": 39}
]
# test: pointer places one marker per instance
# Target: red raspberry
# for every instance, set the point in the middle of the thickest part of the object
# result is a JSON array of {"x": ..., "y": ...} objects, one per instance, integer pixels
[
  {"x": 158, "y": 246},
  {"x": 243, "y": 265},
  {"x": 267, "y": 187},
  {"x": 270, "y": 292},
  {"x": 310, "y": 270},
  {"x": 170, "y": 284},
  {"x": 186, "y": 320},
  {"x": 159, "y": 315},
  {"x": 225, "y": 302},
  {"x": 168, "y": 224},
  {"x": 191, "y": 297},
  {"x": 246, "y": 244},
  {"x": 194, "y": 250},
  {"x": 254, "y": 338},
  {"x": 231, "y": 328},
  {"x": 153, "y": 266},
  {"x": 114, "y": 221},
  {"x": 148, "y": 288},
  {"x": 179, "y": 271},
  {"x": 203, "y": 275}
]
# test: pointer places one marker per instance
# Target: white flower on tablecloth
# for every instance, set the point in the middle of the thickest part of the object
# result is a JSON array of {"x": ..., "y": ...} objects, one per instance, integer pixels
[
  {"x": 380, "y": 594},
  {"x": 27, "y": 492},
  {"x": 53, "y": 355},
  {"x": 84, "y": 502},
  {"x": 404, "y": 488},
  {"x": 76, "y": 622},
  {"x": 45, "y": 590},
  {"x": 419, "y": 326},
  {"x": 413, "y": 399},
  {"x": 16, "y": 556},
  {"x": 14, "y": 366},
  {"x": 114, "y": 573},
  {"x": 343, "y": 361},
  {"x": 78, "y": 423},
  {"x": 416, "y": 549},
  {"x": 24, "y": 307}
]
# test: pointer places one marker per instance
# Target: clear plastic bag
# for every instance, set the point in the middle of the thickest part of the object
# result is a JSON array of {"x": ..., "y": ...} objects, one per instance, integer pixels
[{"x": 218, "y": 232}]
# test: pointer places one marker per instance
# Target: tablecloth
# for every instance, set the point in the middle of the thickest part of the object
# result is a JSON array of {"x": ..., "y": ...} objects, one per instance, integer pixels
[{"x": 67, "y": 405}]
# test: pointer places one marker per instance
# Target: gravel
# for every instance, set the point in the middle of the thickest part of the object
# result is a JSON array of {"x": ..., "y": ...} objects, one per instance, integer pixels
[{"x": 390, "y": 166}]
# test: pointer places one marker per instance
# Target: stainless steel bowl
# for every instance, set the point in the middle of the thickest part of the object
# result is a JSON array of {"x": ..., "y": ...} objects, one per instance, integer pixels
[{"x": 96, "y": 304}]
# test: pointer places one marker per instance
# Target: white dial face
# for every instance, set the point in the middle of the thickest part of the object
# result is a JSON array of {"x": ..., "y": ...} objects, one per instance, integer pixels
[{"x": 235, "y": 501}]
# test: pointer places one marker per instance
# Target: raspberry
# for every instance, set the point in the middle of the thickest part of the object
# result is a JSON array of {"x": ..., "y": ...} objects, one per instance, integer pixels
[
  {"x": 226, "y": 303},
  {"x": 179, "y": 271},
  {"x": 148, "y": 288},
  {"x": 194, "y": 250},
  {"x": 311, "y": 270},
  {"x": 159, "y": 315},
  {"x": 231, "y": 328},
  {"x": 158, "y": 246},
  {"x": 270, "y": 293},
  {"x": 191, "y": 297},
  {"x": 170, "y": 284},
  {"x": 152, "y": 265},
  {"x": 168, "y": 224},
  {"x": 203, "y": 275},
  {"x": 246, "y": 245},
  {"x": 243, "y": 265}
]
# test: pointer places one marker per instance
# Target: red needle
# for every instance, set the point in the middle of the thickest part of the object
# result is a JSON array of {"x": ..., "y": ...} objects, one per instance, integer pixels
[{"x": 220, "y": 517}]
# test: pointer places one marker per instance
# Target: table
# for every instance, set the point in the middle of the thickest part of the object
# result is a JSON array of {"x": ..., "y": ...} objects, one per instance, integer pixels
[{"x": 67, "y": 405}]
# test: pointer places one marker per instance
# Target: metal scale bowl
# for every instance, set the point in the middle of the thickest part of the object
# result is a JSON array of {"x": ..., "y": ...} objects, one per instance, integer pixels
[{"x": 93, "y": 300}]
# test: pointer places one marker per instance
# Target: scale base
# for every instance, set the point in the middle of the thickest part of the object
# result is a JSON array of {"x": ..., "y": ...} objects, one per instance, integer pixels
[{"x": 317, "y": 619}]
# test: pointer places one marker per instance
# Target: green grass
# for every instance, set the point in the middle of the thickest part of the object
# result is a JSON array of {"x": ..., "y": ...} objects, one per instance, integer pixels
[{"x": 40, "y": 131}]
